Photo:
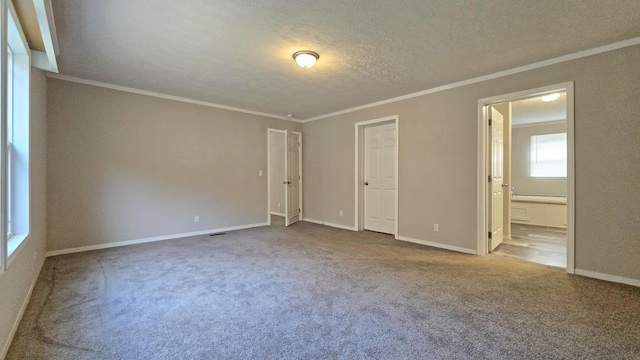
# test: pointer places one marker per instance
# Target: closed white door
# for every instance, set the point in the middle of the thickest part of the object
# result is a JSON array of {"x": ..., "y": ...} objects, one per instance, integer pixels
[
  {"x": 293, "y": 177},
  {"x": 379, "y": 178},
  {"x": 497, "y": 186}
]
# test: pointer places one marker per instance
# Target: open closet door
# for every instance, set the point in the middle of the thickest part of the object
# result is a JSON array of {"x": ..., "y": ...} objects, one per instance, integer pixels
[{"x": 293, "y": 169}]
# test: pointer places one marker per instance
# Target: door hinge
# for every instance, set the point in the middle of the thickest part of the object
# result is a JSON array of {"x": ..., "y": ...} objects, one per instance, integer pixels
[
  {"x": 299, "y": 211},
  {"x": 489, "y": 122},
  {"x": 489, "y": 178},
  {"x": 299, "y": 177},
  {"x": 489, "y": 234}
]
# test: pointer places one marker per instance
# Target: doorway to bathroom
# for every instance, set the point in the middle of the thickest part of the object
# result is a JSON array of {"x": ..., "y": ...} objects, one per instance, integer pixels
[{"x": 528, "y": 180}]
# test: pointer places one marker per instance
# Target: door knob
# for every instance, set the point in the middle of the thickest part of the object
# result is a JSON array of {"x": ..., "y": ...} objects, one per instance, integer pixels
[
  {"x": 286, "y": 182},
  {"x": 505, "y": 185},
  {"x": 366, "y": 183}
]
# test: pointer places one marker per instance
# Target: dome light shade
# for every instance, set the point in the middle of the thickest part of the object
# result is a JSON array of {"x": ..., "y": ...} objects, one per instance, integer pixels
[{"x": 305, "y": 58}]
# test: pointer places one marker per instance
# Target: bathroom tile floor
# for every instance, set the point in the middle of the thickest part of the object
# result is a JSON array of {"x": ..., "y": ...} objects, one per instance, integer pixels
[{"x": 537, "y": 244}]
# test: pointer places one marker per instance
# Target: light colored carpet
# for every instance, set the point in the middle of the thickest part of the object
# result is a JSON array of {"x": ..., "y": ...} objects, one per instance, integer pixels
[{"x": 311, "y": 291}]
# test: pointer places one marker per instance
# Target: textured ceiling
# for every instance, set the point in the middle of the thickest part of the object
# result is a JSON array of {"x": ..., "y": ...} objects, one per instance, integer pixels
[
  {"x": 238, "y": 52},
  {"x": 534, "y": 110}
]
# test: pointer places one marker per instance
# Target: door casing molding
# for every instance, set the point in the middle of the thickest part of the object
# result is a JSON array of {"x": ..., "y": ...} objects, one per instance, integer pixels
[
  {"x": 269, "y": 131},
  {"x": 483, "y": 163},
  {"x": 300, "y": 179},
  {"x": 359, "y": 169},
  {"x": 284, "y": 133}
]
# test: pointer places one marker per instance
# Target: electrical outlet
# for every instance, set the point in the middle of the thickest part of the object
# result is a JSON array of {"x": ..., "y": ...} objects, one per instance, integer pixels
[
  {"x": 278, "y": 204},
  {"x": 341, "y": 213},
  {"x": 197, "y": 219},
  {"x": 35, "y": 255},
  {"x": 436, "y": 227},
  {"x": 260, "y": 173}
]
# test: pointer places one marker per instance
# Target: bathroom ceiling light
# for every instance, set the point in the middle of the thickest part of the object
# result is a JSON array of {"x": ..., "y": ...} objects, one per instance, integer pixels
[
  {"x": 550, "y": 97},
  {"x": 305, "y": 58}
]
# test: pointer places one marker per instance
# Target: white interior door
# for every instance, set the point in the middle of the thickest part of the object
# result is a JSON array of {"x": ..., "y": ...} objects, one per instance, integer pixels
[
  {"x": 379, "y": 178},
  {"x": 293, "y": 205},
  {"x": 496, "y": 224}
]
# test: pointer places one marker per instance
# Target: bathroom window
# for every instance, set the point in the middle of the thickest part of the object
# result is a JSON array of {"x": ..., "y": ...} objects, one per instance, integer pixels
[{"x": 548, "y": 156}]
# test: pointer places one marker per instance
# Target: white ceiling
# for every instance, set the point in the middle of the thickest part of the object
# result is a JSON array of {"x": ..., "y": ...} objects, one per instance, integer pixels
[
  {"x": 534, "y": 110},
  {"x": 238, "y": 52}
]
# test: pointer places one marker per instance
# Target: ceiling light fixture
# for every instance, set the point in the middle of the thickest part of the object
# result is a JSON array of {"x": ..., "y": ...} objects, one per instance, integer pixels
[
  {"x": 305, "y": 58},
  {"x": 551, "y": 97}
]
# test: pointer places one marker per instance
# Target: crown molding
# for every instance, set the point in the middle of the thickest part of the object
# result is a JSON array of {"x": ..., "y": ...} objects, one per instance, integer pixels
[
  {"x": 542, "y": 123},
  {"x": 163, "y": 96},
  {"x": 520, "y": 69}
]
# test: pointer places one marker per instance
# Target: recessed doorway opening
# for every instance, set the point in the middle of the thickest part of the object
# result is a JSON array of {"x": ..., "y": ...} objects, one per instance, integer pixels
[
  {"x": 284, "y": 175},
  {"x": 526, "y": 176}
]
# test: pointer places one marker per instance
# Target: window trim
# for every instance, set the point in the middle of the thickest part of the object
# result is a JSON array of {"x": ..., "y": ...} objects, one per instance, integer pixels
[
  {"x": 3, "y": 137},
  {"x": 15, "y": 101},
  {"x": 533, "y": 163}
]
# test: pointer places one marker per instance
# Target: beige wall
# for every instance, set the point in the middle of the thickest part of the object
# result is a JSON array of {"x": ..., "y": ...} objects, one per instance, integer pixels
[
  {"x": 521, "y": 147},
  {"x": 438, "y": 160},
  {"x": 24, "y": 268},
  {"x": 123, "y": 166}
]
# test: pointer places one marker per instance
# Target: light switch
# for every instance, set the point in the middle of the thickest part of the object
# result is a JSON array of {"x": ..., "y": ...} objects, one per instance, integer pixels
[{"x": 260, "y": 173}]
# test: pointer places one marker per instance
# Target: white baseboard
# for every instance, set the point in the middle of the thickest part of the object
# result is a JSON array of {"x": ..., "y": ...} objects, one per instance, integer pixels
[
  {"x": 277, "y": 213},
  {"x": 439, "y": 245},
  {"x": 23, "y": 308},
  {"x": 607, "y": 277},
  {"x": 313, "y": 221},
  {"x": 150, "y": 239},
  {"x": 345, "y": 227}
]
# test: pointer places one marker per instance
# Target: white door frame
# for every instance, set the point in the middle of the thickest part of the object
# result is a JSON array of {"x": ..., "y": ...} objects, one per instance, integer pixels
[
  {"x": 269, "y": 131},
  {"x": 483, "y": 160},
  {"x": 284, "y": 132},
  {"x": 300, "y": 213},
  {"x": 359, "y": 168}
]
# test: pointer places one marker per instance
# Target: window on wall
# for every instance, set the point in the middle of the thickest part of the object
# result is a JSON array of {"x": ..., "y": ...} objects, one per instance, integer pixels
[
  {"x": 16, "y": 149},
  {"x": 548, "y": 156},
  {"x": 9, "y": 136}
]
